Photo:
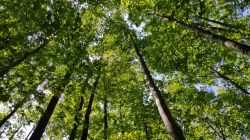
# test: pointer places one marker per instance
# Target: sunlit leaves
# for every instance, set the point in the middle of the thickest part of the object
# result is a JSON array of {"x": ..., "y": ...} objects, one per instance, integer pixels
[{"x": 81, "y": 32}]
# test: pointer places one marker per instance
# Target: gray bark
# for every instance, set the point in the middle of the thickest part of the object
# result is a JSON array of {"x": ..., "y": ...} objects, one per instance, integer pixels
[{"x": 172, "y": 128}]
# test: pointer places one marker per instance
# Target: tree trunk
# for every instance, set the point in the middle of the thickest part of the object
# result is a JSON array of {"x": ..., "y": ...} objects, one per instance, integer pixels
[
  {"x": 218, "y": 22},
  {"x": 232, "y": 82},
  {"x": 88, "y": 111},
  {"x": 74, "y": 130},
  {"x": 27, "y": 55},
  {"x": 105, "y": 118},
  {"x": 16, "y": 107},
  {"x": 228, "y": 43},
  {"x": 172, "y": 128},
  {"x": 44, "y": 120},
  {"x": 216, "y": 30}
]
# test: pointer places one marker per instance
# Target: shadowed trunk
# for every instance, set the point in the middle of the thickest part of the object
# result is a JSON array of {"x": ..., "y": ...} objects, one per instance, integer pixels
[
  {"x": 216, "y": 30},
  {"x": 221, "y": 136},
  {"x": 16, "y": 107},
  {"x": 218, "y": 22},
  {"x": 172, "y": 128},
  {"x": 74, "y": 130},
  {"x": 44, "y": 120},
  {"x": 228, "y": 43},
  {"x": 27, "y": 55},
  {"x": 88, "y": 111},
  {"x": 232, "y": 82}
]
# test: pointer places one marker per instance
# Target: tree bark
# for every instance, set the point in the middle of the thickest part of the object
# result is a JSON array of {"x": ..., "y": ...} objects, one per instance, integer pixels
[
  {"x": 228, "y": 43},
  {"x": 105, "y": 131},
  {"x": 218, "y": 22},
  {"x": 171, "y": 126},
  {"x": 232, "y": 82},
  {"x": 27, "y": 55},
  {"x": 74, "y": 130},
  {"x": 16, "y": 107},
  {"x": 44, "y": 120},
  {"x": 88, "y": 111}
]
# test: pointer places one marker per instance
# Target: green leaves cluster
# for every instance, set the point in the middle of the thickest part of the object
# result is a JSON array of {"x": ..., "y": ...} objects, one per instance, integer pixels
[{"x": 40, "y": 41}]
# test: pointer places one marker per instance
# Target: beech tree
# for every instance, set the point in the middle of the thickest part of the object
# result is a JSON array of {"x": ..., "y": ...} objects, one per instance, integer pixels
[{"x": 169, "y": 69}]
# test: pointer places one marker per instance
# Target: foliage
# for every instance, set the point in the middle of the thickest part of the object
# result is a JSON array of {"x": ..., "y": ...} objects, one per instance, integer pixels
[{"x": 40, "y": 41}]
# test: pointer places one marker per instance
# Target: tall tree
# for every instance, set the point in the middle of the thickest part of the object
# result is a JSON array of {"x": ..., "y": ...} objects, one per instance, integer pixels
[
  {"x": 229, "y": 43},
  {"x": 177, "y": 57},
  {"x": 44, "y": 120},
  {"x": 75, "y": 126},
  {"x": 88, "y": 110},
  {"x": 172, "y": 127}
]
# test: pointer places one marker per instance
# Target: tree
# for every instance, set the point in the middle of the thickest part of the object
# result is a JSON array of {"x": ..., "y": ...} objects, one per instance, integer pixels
[
  {"x": 169, "y": 81},
  {"x": 38, "y": 131},
  {"x": 172, "y": 128},
  {"x": 88, "y": 110},
  {"x": 231, "y": 44},
  {"x": 73, "y": 131}
]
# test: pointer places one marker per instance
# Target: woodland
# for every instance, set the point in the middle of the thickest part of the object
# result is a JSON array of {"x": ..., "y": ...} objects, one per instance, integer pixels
[{"x": 125, "y": 69}]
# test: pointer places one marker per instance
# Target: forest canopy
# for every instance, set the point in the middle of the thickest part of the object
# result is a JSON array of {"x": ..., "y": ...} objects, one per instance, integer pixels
[{"x": 125, "y": 69}]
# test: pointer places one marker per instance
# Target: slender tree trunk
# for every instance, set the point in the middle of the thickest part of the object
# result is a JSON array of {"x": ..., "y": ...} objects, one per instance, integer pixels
[
  {"x": 88, "y": 111},
  {"x": 218, "y": 22},
  {"x": 172, "y": 128},
  {"x": 44, "y": 120},
  {"x": 221, "y": 136},
  {"x": 105, "y": 118},
  {"x": 216, "y": 30},
  {"x": 74, "y": 130},
  {"x": 27, "y": 55},
  {"x": 228, "y": 43},
  {"x": 232, "y": 82},
  {"x": 42, "y": 123},
  {"x": 14, "y": 133},
  {"x": 16, "y": 107}
]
